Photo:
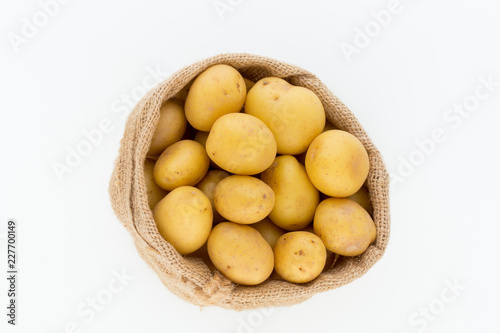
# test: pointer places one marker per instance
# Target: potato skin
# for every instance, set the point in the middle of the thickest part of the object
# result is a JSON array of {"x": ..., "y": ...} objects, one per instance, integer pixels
[
  {"x": 331, "y": 258},
  {"x": 241, "y": 144},
  {"x": 270, "y": 231},
  {"x": 296, "y": 196},
  {"x": 155, "y": 193},
  {"x": 299, "y": 256},
  {"x": 184, "y": 163},
  {"x": 184, "y": 218},
  {"x": 295, "y": 115},
  {"x": 344, "y": 226},
  {"x": 243, "y": 199},
  {"x": 207, "y": 185},
  {"x": 217, "y": 91},
  {"x": 170, "y": 128},
  {"x": 337, "y": 163},
  {"x": 240, "y": 253}
]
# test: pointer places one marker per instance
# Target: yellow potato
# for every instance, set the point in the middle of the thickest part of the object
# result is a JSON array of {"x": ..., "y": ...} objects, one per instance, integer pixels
[
  {"x": 170, "y": 128},
  {"x": 294, "y": 115},
  {"x": 217, "y": 91},
  {"x": 184, "y": 163},
  {"x": 184, "y": 218},
  {"x": 296, "y": 196},
  {"x": 299, "y": 256},
  {"x": 270, "y": 231},
  {"x": 362, "y": 197},
  {"x": 155, "y": 193},
  {"x": 207, "y": 186},
  {"x": 337, "y": 163},
  {"x": 241, "y": 144},
  {"x": 249, "y": 84},
  {"x": 243, "y": 199},
  {"x": 240, "y": 253},
  {"x": 344, "y": 226}
]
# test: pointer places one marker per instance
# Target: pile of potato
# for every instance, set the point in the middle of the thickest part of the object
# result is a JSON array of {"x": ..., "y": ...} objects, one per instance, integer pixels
[{"x": 252, "y": 178}]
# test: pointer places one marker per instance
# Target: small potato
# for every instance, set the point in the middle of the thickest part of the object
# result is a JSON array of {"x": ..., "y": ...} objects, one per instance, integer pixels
[
  {"x": 295, "y": 115},
  {"x": 362, "y": 197},
  {"x": 184, "y": 163},
  {"x": 183, "y": 93},
  {"x": 337, "y": 163},
  {"x": 170, "y": 128},
  {"x": 184, "y": 218},
  {"x": 207, "y": 186},
  {"x": 241, "y": 144},
  {"x": 240, "y": 253},
  {"x": 243, "y": 199},
  {"x": 249, "y": 84},
  {"x": 155, "y": 193},
  {"x": 217, "y": 91},
  {"x": 344, "y": 226},
  {"x": 270, "y": 231},
  {"x": 299, "y": 256},
  {"x": 296, "y": 196}
]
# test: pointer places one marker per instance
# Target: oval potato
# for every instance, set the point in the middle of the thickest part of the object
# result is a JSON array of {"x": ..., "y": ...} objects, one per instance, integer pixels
[
  {"x": 240, "y": 253},
  {"x": 296, "y": 196},
  {"x": 184, "y": 163},
  {"x": 243, "y": 199},
  {"x": 299, "y": 256},
  {"x": 344, "y": 226},
  {"x": 184, "y": 218},
  {"x": 241, "y": 144},
  {"x": 295, "y": 115},
  {"x": 337, "y": 163},
  {"x": 217, "y": 91}
]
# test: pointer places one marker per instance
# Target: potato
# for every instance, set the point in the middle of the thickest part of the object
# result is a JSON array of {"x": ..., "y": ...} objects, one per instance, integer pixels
[
  {"x": 170, "y": 128},
  {"x": 240, "y": 253},
  {"x": 155, "y": 193},
  {"x": 296, "y": 196},
  {"x": 243, "y": 199},
  {"x": 337, "y": 163},
  {"x": 183, "y": 163},
  {"x": 207, "y": 186},
  {"x": 344, "y": 226},
  {"x": 249, "y": 84},
  {"x": 182, "y": 94},
  {"x": 217, "y": 91},
  {"x": 299, "y": 256},
  {"x": 241, "y": 144},
  {"x": 270, "y": 231},
  {"x": 362, "y": 197},
  {"x": 294, "y": 115},
  {"x": 184, "y": 218}
]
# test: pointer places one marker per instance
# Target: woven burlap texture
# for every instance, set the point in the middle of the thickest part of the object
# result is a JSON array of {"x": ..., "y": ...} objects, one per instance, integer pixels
[{"x": 189, "y": 277}]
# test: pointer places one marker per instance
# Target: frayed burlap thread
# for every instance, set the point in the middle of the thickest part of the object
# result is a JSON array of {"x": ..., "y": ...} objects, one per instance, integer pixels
[{"x": 189, "y": 277}]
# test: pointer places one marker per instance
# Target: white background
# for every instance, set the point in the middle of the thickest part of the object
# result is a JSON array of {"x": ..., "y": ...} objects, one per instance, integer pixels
[{"x": 64, "y": 79}]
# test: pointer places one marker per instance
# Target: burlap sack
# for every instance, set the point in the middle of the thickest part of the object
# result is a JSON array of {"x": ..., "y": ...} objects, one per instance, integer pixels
[{"x": 189, "y": 277}]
